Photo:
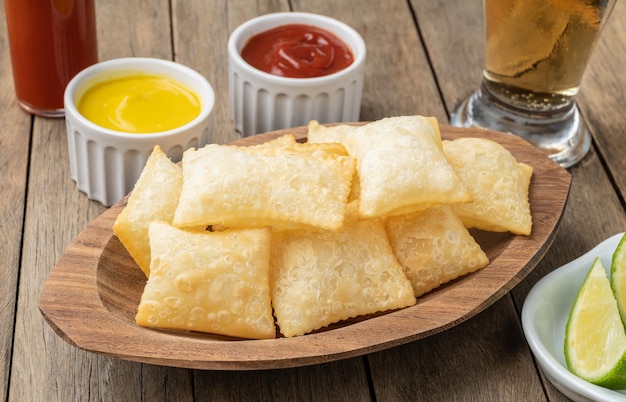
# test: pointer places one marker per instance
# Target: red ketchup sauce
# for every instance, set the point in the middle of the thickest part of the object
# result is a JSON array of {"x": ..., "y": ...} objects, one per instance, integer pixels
[{"x": 297, "y": 51}]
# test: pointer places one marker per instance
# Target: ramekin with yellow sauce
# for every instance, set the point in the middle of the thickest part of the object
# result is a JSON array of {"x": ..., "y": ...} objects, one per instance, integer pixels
[
  {"x": 139, "y": 103},
  {"x": 116, "y": 111}
]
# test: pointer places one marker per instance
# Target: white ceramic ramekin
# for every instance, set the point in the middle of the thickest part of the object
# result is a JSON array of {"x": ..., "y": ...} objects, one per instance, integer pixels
[
  {"x": 104, "y": 163},
  {"x": 261, "y": 102}
]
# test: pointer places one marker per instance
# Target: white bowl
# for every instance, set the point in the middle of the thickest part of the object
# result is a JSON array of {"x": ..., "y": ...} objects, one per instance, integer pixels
[
  {"x": 544, "y": 316},
  {"x": 104, "y": 163},
  {"x": 261, "y": 102}
]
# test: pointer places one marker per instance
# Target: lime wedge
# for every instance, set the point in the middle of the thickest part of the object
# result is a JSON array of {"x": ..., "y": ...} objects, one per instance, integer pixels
[
  {"x": 595, "y": 342},
  {"x": 618, "y": 277}
]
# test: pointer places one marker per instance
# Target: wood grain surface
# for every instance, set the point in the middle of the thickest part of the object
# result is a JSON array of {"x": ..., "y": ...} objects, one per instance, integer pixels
[
  {"x": 91, "y": 296},
  {"x": 424, "y": 57}
]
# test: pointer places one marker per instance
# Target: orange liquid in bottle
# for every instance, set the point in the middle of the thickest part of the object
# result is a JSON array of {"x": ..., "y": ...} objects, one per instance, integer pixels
[{"x": 50, "y": 41}]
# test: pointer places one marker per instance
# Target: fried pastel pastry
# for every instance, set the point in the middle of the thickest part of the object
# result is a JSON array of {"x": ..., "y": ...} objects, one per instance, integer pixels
[
  {"x": 231, "y": 187},
  {"x": 277, "y": 143},
  {"x": 434, "y": 247},
  {"x": 287, "y": 144},
  {"x": 214, "y": 282},
  {"x": 154, "y": 197},
  {"x": 401, "y": 167},
  {"x": 319, "y": 277},
  {"x": 317, "y": 133},
  {"x": 497, "y": 182}
]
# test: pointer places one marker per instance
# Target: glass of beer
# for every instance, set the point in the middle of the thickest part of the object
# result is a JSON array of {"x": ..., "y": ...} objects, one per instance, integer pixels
[{"x": 536, "y": 52}]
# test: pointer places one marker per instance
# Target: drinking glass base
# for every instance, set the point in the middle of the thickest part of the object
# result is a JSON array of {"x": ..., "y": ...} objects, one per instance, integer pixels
[
  {"x": 563, "y": 136},
  {"x": 60, "y": 112}
]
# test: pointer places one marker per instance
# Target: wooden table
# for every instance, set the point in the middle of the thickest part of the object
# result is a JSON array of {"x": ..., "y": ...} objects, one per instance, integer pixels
[{"x": 424, "y": 57}]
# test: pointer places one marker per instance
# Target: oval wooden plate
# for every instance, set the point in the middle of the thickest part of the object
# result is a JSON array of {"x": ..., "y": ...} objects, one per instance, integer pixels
[{"x": 91, "y": 296}]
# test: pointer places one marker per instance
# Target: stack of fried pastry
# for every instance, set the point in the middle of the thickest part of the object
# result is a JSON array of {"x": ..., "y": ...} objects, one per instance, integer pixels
[{"x": 288, "y": 236}]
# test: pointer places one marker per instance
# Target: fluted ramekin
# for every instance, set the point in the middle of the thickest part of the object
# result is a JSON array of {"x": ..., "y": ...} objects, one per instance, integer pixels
[
  {"x": 104, "y": 163},
  {"x": 261, "y": 102}
]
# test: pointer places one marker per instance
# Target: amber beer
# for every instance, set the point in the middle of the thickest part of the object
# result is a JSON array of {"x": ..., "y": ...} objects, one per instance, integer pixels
[{"x": 536, "y": 50}]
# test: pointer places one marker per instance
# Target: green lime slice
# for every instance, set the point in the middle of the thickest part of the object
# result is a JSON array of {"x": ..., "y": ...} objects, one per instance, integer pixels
[
  {"x": 618, "y": 277},
  {"x": 595, "y": 342}
]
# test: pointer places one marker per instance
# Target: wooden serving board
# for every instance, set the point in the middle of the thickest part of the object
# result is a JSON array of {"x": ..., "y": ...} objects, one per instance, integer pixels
[{"x": 91, "y": 296}]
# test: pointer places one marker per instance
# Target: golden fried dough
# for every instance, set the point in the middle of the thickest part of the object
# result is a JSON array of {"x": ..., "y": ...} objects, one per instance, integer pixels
[
  {"x": 317, "y": 133},
  {"x": 497, "y": 182},
  {"x": 287, "y": 144},
  {"x": 434, "y": 247},
  {"x": 401, "y": 167},
  {"x": 215, "y": 282},
  {"x": 154, "y": 197},
  {"x": 319, "y": 277},
  {"x": 227, "y": 186}
]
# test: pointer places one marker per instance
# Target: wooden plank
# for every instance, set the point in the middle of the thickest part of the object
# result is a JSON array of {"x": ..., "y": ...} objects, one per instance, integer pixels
[
  {"x": 51, "y": 223},
  {"x": 344, "y": 380},
  {"x": 452, "y": 32},
  {"x": 593, "y": 213},
  {"x": 134, "y": 29},
  {"x": 603, "y": 93},
  {"x": 203, "y": 47},
  {"x": 201, "y": 32},
  {"x": 453, "y": 35},
  {"x": 44, "y": 367},
  {"x": 16, "y": 129},
  {"x": 398, "y": 77},
  {"x": 490, "y": 344},
  {"x": 399, "y": 80},
  {"x": 601, "y": 100}
]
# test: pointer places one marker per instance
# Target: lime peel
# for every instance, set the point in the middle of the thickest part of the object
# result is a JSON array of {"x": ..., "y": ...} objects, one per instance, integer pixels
[
  {"x": 595, "y": 341},
  {"x": 618, "y": 276}
]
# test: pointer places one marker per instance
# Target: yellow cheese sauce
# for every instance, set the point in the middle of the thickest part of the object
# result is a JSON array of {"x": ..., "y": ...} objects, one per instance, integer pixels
[{"x": 139, "y": 103}]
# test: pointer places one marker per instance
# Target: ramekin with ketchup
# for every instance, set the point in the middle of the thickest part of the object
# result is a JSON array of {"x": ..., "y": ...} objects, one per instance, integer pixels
[{"x": 286, "y": 69}]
